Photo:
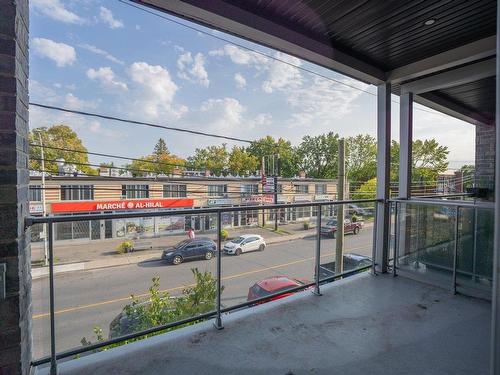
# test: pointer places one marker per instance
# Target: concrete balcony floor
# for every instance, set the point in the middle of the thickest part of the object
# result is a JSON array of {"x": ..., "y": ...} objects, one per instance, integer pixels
[{"x": 360, "y": 325}]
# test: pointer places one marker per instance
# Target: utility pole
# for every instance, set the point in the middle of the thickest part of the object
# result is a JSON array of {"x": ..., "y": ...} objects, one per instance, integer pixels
[
  {"x": 263, "y": 177},
  {"x": 276, "y": 192},
  {"x": 339, "y": 242},
  {"x": 44, "y": 212}
]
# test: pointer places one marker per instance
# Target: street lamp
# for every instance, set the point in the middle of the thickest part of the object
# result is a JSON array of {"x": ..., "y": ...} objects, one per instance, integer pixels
[{"x": 44, "y": 211}]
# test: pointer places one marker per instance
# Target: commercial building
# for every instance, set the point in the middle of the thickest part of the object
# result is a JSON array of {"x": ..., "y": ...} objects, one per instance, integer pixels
[{"x": 68, "y": 195}]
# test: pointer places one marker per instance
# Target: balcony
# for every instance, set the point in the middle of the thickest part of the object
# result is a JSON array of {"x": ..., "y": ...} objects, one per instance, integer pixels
[
  {"x": 361, "y": 324},
  {"x": 349, "y": 322}
]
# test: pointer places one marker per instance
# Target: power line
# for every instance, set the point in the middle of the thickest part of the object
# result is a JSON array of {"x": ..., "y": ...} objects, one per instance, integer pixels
[
  {"x": 261, "y": 53},
  {"x": 136, "y": 122}
]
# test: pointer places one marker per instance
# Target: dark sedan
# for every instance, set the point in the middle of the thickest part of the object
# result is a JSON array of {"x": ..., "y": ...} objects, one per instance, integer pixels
[{"x": 193, "y": 248}]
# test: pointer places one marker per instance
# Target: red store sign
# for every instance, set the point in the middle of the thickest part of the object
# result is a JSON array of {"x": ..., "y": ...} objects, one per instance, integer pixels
[{"x": 122, "y": 205}]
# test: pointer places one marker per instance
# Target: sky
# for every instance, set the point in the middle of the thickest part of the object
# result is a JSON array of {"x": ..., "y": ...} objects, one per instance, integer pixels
[{"x": 111, "y": 58}]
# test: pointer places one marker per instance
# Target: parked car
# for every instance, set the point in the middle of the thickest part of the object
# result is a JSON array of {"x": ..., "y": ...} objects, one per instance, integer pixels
[
  {"x": 330, "y": 227},
  {"x": 193, "y": 248},
  {"x": 353, "y": 209},
  {"x": 244, "y": 243},
  {"x": 271, "y": 285},
  {"x": 351, "y": 262}
]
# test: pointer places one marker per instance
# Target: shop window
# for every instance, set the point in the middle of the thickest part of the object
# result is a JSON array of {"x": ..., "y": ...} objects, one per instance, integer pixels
[
  {"x": 35, "y": 193},
  {"x": 320, "y": 188},
  {"x": 77, "y": 192},
  {"x": 302, "y": 189},
  {"x": 135, "y": 191},
  {"x": 217, "y": 190}
]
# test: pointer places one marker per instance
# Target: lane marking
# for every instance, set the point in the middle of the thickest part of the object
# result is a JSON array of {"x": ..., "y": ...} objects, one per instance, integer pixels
[{"x": 97, "y": 304}]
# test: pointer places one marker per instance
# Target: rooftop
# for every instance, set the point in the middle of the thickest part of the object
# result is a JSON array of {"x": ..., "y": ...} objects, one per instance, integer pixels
[{"x": 362, "y": 324}]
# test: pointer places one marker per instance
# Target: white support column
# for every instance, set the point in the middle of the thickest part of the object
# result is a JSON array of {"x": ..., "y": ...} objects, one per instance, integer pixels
[
  {"x": 383, "y": 175},
  {"x": 405, "y": 144},
  {"x": 495, "y": 306}
]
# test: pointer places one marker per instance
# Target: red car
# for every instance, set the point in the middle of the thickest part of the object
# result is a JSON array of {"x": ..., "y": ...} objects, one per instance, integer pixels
[{"x": 274, "y": 284}]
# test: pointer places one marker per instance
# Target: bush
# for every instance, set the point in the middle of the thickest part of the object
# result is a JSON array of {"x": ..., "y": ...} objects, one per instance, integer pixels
[
  {"x": 224, "y": 234},
  {"x": 125, "y": 247},
  {"x": 307, "y": 225},
  {"x": 354, "y": 218}
]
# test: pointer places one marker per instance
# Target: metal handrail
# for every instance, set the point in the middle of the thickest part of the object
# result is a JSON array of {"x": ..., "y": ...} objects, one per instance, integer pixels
[
  {"x": 50, "y": 220},
  {"x": 430, "y": 202}
]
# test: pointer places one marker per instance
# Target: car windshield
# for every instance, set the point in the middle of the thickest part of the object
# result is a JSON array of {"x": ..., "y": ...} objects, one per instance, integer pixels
[
  {"x": 181, "y": 244},
  {"x": 332, "y": 222},
  {"x": 238, "y": 240}
]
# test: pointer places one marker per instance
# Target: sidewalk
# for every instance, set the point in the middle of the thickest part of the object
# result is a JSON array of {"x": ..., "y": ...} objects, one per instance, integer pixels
[{"x": 102, "y": 254}]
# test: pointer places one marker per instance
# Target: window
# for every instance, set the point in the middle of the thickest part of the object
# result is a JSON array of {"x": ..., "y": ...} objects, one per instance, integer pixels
[
  {"x": 217, "y": 190},
  {"x": 35, "y": 193},
  {"x": 320, "y": 188},
  {"x": 280, "y": 188},
  {"x": 302, "y": 189},
  {"x": 174, "y": 191},
  {"x": 135, "y": 191},
  {"x": 77, "y": 192},
  {"x": 247, "y": 190}
]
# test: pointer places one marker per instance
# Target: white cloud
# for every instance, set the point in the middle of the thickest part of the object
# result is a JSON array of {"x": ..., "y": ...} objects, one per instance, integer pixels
[
  {"x": 240, "y": 56},
  {"x": 263, "y": 119},
  {"x": 62, "y": 54},
  {"x": 282, "y": 76},
  {"x": 73, "y": 102},
  {"x": 106, "y": 77},
  {"x": 193, "y": 69},
  {"x": 322, "y": 102},
  {"x": 241, "y": 82},
  {"x": 155, "y": 91},
  {"x": 55, "y": 10},
  {"x": 101, "y": 52},
  {"x": 107, "y": 17}
]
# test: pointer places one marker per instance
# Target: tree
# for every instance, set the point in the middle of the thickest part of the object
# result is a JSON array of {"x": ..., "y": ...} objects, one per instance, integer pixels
[
  {"x": 161, "y": 161},
  {"x": 268, "y": 146},
  {"x": 318, "y": 156},
  {"x": 241, "y": 162},
  {"x": 160, "y": 148},
  {"x": 367, "y": 190},
  {"x": 58, "y": 136},
  {"x": 361, "y": 155},
  {"x": 428, "y": 160},
  {"x": 213, "y": 158},
  {"x": 468, "y": 175},
  {"x": 159, "y": 308}
]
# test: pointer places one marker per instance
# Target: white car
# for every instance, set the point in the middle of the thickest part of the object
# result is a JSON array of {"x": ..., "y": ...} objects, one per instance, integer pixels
[{"x": 244, "y": 243}]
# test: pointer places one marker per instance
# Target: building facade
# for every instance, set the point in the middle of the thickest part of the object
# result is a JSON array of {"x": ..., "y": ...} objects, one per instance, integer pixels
[{"x": 67, "y": 195}]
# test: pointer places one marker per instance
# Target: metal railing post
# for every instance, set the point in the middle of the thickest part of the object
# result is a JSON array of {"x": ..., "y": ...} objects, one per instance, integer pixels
[
  {"x": 318, "y": 251},
  {"x": 474, "y": 249},
  {"x": 53, "y": 361},
  {"x": 374, "y": 272},
  {"x": 455, "y": 252},
  {"x": 218, "y": 319},
  {"x": 396, "y": 240}
]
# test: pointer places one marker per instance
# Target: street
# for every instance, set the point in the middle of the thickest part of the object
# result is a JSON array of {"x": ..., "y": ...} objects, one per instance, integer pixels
[{"x": 85, "y": 299}]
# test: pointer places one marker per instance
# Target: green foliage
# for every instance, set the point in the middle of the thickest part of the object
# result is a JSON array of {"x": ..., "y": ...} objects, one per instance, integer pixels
[
  {"x": 468, "y": 174},
  {"x": 307, "y": 225},
  {"x": 213, "y": 158},
  {"x": 318, "y": 156},
  {"x": 241, "y": 162},
  {"x": 161, "y": 161},
  {"x": 367, "y": 190},
  {"x": 224, "y": 234},
  {"x": 268, "y": 146},
  {"x": 60, "y": 136},
  {"x": 161, "y": 309},
  {"x": 361, "y": 158},
  {"x": 125, "y": 247},
  {"x": 429, "y": 159}
]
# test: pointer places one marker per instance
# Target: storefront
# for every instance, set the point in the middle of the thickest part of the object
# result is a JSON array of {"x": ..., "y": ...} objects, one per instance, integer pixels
[{"x": 118, "y": 228}]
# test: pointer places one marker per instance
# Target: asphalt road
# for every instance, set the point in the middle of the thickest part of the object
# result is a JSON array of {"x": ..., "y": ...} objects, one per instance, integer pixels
[{"x": 85, "y": 299}]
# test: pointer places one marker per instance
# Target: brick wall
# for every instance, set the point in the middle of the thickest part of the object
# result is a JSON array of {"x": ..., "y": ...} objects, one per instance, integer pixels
[
  {"x": 485, "y": 156},
  {"x": 15, "y": 310}
]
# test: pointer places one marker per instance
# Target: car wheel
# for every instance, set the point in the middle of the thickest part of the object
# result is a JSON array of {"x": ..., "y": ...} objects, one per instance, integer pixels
[
  {"x": 177, "y": 260},
  {"x": 209, "y": 255},
  {"x": 356, "y": 230},
  {"x": 262, "y": 247},
  {"x": 237, "y": 252}
]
